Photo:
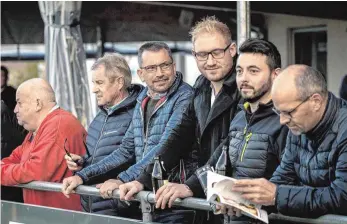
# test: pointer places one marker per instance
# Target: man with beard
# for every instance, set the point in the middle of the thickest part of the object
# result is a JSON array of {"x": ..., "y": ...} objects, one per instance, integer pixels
[
  {"x": 256, "y": 138},
  {"x": 311, "y": 180}
]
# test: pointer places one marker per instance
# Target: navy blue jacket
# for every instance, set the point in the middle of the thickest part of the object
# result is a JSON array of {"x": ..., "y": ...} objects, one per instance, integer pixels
[
  {"x": 161, "y": 132},
  {"x": 312, "y": 176},
  {"x": 105, "y": 135}
]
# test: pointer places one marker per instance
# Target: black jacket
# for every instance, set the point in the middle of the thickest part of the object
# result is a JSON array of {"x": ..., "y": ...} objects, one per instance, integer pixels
[
  {"x": 12, "y": 135},
  {"x": 312, "y": 177},
  {"x": 255, "y": 144},
  {"x": 8, "y": 95},
  {"x": 212, "y": 124}
]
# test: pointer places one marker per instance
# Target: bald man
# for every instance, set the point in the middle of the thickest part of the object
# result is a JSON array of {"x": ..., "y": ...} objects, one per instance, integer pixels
[
  {"x": 312, "y": 178},
  {"x": 41, "y": 155}
]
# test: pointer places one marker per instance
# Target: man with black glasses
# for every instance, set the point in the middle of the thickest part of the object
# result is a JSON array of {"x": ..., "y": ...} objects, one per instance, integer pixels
[
  {"x": 312, "y": 178},
  {"x": 159, "y": 125}
]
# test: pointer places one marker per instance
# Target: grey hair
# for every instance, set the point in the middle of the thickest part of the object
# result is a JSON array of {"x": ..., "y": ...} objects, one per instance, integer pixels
[
  {"x": 114, "y": 64},
  {"x": 154, "y": 46},
  {"x": 309, "y": 82}
]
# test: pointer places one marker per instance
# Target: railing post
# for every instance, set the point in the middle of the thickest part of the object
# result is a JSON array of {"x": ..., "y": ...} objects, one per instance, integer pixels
[{"x": 146, "y": 209}]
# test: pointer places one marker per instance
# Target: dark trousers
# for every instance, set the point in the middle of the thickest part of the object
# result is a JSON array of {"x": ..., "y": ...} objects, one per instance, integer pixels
[{"x": 179, "y": 216}]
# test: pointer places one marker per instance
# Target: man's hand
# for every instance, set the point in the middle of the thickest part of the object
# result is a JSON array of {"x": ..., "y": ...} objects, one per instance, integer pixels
[
  {"x": 127, "y": 190},
  {"x": 259, "y": 191},
  {"x": 228, "y": 210},
  {"x": 169, "y": 192},
  {"x": 69, "y": 184},
  {"x": 71, "y": 163},
  {"x": 108, "y": 186}
]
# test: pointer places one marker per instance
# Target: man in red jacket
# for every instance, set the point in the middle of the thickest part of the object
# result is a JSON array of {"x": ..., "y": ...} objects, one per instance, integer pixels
[{"x": 41, "y": 155}]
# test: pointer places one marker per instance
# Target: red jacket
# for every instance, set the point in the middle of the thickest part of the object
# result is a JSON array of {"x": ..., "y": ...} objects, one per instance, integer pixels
[{"x": 42, "y": 158}]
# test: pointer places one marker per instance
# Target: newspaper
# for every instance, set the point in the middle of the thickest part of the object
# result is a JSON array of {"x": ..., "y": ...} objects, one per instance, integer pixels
[{"x": 219, "y": 192}]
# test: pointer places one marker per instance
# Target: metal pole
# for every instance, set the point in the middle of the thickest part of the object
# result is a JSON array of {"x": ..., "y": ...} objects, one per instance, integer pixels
[
  {"x": 146, "y": 208},
  {"x": 147, "y": 198},
  {"x": 243, "y": 22}
]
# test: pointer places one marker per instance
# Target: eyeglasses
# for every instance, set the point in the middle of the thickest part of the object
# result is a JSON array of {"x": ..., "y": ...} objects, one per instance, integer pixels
[
  {"x": 216, "y": 54},
  {"x": 153, "y": 68},
  {"x": 288, "y": 114}
]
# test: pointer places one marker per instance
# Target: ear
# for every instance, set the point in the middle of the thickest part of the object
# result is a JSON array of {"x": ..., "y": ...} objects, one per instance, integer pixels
[
  {"x": 174, "y": 67},
  {"x": 39, "y": 105},
  {"x": 275, "y": 73},
  {"x": 141, "y": 75},
  {"x": 233, "y": 49},
  {"x": 120, "y": 81},
  {"x": 318, "y": 101}
]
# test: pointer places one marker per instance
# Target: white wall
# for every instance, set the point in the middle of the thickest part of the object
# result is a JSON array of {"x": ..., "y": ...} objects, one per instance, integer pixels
[{"x": 278, "y": 27}]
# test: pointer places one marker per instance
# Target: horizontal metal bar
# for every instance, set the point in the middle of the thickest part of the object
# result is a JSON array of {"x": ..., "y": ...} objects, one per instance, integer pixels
[{"x": 194, "y": 203}]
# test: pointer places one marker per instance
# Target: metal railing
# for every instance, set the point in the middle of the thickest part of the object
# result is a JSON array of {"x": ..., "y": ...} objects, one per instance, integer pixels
[{"x": 146, "y": 198}]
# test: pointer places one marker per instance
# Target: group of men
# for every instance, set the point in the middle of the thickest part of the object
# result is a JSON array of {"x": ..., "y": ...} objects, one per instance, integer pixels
[{"x": 285, "y": 133}]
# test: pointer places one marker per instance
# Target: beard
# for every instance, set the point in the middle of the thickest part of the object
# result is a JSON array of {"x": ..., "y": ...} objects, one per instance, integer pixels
[{"x": 259, "y": 93}]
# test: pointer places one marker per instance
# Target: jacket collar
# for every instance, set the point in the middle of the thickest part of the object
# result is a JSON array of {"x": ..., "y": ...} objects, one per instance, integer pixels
[
  {"x": 228, "y": 96},
  {"x": 134, "y": 91},
  {"x": 320, "y": 130},
  {"x": 263, "y": 111}
]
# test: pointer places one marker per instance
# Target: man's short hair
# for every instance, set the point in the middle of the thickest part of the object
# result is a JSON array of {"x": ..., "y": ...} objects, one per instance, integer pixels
[
  {"x": 153, "y": 46},
  {"x": 310, "y": 81},
  {"x": 264, "y": 47},
  {"x": 210, "y": 24},
  {"x": 5, "y": 70},
  {"x": 114, "y": 64}
]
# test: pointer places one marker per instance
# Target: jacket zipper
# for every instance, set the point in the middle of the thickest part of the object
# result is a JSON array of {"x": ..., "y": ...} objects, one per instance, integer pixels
[
  {"x": 145, "y": 140},
  {"x": 97, "y": 143},
  {"x": 248, "y": 136}
]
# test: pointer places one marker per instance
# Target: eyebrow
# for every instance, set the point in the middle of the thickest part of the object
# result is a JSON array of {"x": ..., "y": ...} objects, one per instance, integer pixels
[{"x": 253, "y": 66}]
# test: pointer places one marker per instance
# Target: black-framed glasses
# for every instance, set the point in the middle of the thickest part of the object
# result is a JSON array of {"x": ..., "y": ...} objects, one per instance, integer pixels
[
  {"x": 153, "y": 68},
  {"x": 216, "y": 54},
  {"x": 288, "y": 114}
]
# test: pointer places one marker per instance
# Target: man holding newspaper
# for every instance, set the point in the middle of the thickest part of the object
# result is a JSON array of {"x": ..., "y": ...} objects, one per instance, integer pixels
[{"x": 311, "y": 180}]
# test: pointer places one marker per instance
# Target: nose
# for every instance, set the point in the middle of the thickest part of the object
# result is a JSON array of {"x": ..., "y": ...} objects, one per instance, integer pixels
[
  {"x": 159, "y": 72},
  {"x": 94, "y": 89},
  {"x": 242, "y": 77},
  {"x": 284, "y": 120},
  {"x": 210, "y": 60},
  {"x": 16, "y": 108}
]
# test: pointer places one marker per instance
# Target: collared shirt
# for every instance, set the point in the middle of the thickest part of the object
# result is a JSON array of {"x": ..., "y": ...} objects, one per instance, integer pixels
[
  {"x": 110, "y": 110},
  {"x": 213, "y": 95}
]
